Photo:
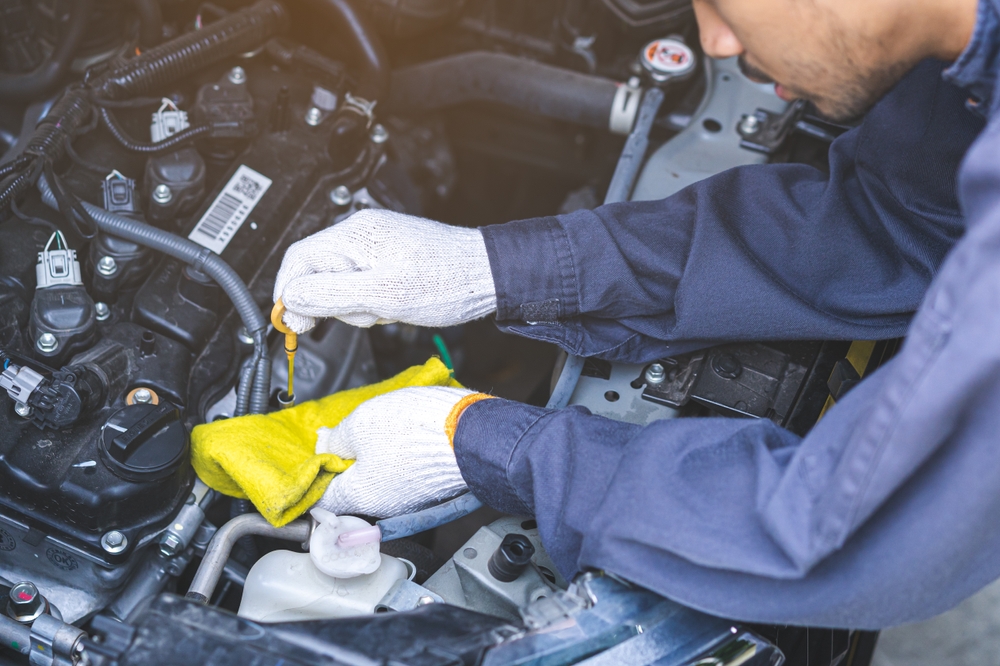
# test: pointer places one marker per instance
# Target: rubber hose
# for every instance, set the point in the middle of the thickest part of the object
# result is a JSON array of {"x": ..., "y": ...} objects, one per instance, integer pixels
[
  {"x": 35, "y": 84},
  {"x": 373, "y": 63},
  {"x": 409, "y": 524},
  {"x": 196, "y": 255},
  {"x": 130, "y": 144},
  {"x": 499, "y": 78},
  {"x": 236, "y": 33},
  {"x": 260, "y": 393},
  {"x": 150, "y": 22},
  {"x": 243, "y": 388}
]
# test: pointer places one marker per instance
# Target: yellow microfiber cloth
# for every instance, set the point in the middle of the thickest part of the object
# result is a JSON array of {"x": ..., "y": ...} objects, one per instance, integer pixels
[{"x": 271, "y": 459}]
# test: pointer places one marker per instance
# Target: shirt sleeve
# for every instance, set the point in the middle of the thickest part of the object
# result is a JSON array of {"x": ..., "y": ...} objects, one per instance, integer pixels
[{"x": 764, "y": 252}]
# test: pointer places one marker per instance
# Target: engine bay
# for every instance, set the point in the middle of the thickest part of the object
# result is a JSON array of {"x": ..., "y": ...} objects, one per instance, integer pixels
[{"x": 157, "y": 159}]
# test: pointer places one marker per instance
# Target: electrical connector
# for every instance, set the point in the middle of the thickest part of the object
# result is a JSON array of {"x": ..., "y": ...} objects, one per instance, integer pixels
[
  {"x": 167, "y": 121},
  {"x": 119, "y": 194},
  {"x": 57, "y": 266}
]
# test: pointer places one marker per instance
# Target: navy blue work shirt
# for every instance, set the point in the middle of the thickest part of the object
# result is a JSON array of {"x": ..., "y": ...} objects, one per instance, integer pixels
[{"x": 887, "y": 512}]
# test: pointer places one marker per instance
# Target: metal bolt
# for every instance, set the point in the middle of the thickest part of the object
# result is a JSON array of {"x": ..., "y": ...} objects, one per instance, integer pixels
[
  {"x": 656, "y": 373},
  {"x": 47, "y": 343},
  {"x": 102, "y": 310},
  {"x": 23, "y": 410},
  {"x": 114, "y": 542},
  {"x": 244, "y": 336},
  {"x": 237, "y": 75},
  {"x": 424, "y": 600},
  {"x": 313, "y": 116},
  {"x": 341, "y": 195},
  {"x": 25, "y": 603},
  {"x": 142, "y": 396},
  {"x": 107, "y": 266},
  {"x": 162, "y": 194},
  {"x": 750, "y": 124},
  {"x": 170, "y": 545},
  {"x": 379, "y": 134}
]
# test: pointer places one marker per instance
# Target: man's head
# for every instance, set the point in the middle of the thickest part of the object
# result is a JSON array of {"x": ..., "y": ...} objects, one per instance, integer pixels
[{"x": 842, "y": 55}]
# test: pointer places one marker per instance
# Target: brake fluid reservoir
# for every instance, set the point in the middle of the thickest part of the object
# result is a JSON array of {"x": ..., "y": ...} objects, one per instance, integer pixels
[{"x": 344, "y": 574}]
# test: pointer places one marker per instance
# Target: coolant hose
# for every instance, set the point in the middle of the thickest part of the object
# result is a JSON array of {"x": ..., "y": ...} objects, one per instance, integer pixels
[
  {"x": 527, "y": 85},
  {"x": 35, "y": 84},
  {"x": 202, "y": 259},
  {"x": 221, "y": 545},
  {"x": 372, "y": 61},
  {"x": 409, "y": 524}
]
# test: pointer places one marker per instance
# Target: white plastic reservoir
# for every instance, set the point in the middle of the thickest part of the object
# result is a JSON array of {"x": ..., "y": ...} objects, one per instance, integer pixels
[{"x": 285, "y": 586}]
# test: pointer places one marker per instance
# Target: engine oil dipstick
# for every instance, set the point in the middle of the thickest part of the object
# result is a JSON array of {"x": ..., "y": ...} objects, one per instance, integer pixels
[{"x": 291, "y": 346}]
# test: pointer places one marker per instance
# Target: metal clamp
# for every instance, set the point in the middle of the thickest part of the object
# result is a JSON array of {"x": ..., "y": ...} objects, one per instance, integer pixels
[
  {"x": 625, "y": 107},
  {"x": 55, "y": 643}
]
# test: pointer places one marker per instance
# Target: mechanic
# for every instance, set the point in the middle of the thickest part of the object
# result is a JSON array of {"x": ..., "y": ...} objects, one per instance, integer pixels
[{"x": 886, "y": 512}]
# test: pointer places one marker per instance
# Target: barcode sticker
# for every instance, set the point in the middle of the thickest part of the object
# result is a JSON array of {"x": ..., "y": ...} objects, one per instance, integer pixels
[{"x": 230, "y": 209}]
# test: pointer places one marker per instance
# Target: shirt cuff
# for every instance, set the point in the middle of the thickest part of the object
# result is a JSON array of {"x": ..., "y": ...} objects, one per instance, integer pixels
[
  {"x": 486, "y": 441},
  {"x": 533, "y": 271}
]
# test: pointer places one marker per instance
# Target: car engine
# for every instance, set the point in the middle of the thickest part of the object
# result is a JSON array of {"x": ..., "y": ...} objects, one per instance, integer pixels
[{"x": 157, "y": 158}]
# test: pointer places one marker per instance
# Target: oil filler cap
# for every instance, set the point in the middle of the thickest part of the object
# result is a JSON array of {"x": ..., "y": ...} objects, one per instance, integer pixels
[{"x": 144, "y": 442}]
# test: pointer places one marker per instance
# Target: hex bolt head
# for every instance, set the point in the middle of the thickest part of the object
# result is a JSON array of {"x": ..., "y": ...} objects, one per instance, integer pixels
[
  {"x": 379, "y": 134},
  {"x": 23, "y": 410},
  {"x": 102, "y": 311},
  {"x": 170, "y": 545},
  {"x": 25, "y": 603},
  {"x": 425, "y": 600},
  {"x": 47, "y": 343},
  {"x": 107, "y": 266},
  {"x": 749, "y": 125},
  {"x": 341, "y": 195},
  {"x": 656, "y": 373},
  {"x": 162, "y": 194},
  {"x": 114, "y": 542},
  {"x": 244, "y": 336},
  {"x": 313, "y": 116},
  {"x": 142, "y": 396},
  {"x": 237, "y": 75}
]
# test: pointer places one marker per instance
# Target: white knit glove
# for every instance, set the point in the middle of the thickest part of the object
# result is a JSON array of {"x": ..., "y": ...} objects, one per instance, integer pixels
[
  {"x": 379, "y": 267},
  {"x": 404, "y": 461}
]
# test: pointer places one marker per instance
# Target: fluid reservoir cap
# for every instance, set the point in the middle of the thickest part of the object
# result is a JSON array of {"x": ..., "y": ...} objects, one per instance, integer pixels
[
  {"x": 144, "y": 442},
  {"x": 344, "y": 546},
  {"x": 667, "y": 59}
]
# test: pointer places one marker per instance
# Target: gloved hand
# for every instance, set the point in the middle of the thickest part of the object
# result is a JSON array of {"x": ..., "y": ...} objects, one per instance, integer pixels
[
  {"x": 378, "y": 267},
  {"x": 402, "y": 446}
]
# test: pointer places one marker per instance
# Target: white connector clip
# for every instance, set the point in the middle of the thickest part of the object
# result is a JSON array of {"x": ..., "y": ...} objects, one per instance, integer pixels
[
  {"x": 58, "y": 266},
  {"x": 169, "y": 120}
]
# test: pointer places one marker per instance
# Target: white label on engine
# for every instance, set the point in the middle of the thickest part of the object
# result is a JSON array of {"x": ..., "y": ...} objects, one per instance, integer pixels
[{"x": 230, "y": 209}]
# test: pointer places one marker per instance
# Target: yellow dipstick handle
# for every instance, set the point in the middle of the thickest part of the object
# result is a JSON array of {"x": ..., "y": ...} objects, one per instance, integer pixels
[{"x": 291, "y": 343}]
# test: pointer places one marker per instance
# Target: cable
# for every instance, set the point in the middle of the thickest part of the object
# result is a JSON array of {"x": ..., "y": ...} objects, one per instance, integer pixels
[
  {"x": 130, "y": 144},
  {"x": 445, "y": 354}
]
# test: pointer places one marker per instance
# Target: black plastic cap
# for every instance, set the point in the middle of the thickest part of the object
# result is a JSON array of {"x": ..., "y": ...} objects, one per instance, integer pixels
[{"x": 512, "y": 557}]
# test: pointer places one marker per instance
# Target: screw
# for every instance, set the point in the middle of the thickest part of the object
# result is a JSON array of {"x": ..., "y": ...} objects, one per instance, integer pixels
[
  {"x": 379, "y": 134},
  {"x": 313, "y": 116},
  {"x": 142, "y": 396},
  {"x": 107, "y": 266},
  {"x": 23, "y": 410},
  {"x": 237, "y": 75},
  {"x": 114, "y": 542},
  {"x": 341, "y": 195},
  {"x": 244, "y": 336},
  {"x": 424, "y": 600},
  {"x": 47, "y": 343},
  {"x": 655, "y": 373},
  {"x": 102, "y": 310},
  {"x": 170, "y": 545},
  {"x": 162, "y": 194},
  {"x": 749, "y": 125}
]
